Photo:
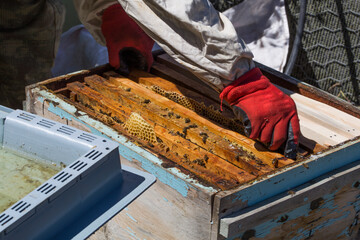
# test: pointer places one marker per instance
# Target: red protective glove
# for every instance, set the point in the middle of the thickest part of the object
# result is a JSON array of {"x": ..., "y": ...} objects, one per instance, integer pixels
[
  {"x": 128, "y": 45},
  {"x": 267, "y": 113}
]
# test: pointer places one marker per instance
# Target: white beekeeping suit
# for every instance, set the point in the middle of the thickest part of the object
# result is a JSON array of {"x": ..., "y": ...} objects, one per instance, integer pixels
[
  {"x": 263, "y": 25},
  {"x": 191, "y": 31},
  {"x": 206, "y": 42}
]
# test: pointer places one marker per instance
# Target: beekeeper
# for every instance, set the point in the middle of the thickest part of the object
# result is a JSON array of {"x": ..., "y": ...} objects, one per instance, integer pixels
[
  {"x": 29, "y": 37},
  {"x": 191, "y": 31},
  {"x": 204, "y": 41}
]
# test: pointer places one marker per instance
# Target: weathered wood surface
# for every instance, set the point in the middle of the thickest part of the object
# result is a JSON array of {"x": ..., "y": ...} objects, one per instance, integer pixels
[
  {"x": 319, "y": 122},
  {"x": 249, "y": 145},
  {"x": 171, "y": 208},
  {"x": 231, "y": 201},
  {"x": 160, "y": 213},
  {"x": 324, "y": 124},
  {"x": 328, "y": 208},
  {"x": 150, "y": 80},
  {"x": 180, "y": 76},
  {"x": 214, "y": 144},
  {"x": 309, "y": 91},
  {"x": 214, "y": 170}
]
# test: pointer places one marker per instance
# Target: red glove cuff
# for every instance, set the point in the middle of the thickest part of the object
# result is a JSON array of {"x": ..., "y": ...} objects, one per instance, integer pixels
[{"x": 121, "y": 31}]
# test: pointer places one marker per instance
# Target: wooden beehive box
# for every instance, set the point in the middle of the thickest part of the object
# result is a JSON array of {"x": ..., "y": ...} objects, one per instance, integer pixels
[{"x": 213, "y": 182}]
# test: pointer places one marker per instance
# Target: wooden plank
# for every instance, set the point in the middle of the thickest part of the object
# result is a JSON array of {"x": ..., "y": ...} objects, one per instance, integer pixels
[
  {"x": 160, "y": 213},
  {"x": 213, "y": 169},
  {"x": 240, "y": 141},
  {"x": 321, "y": 134},
  {"x": 167, "y": 67},
  {"x": 309, "y": 91},
  {"x": 341, "y": 122},
  {"x": 60, "y": 82},
  {"x": 325, "y": 124},
  {"x": 234, "y": 200},
  {"x": 191, "y": 83},
  {"x": 322, "y": 209},
  {"x": 182, "y": 127},
  {"x": 148, "y": 79},
  {"x": 186, "y": 98}
]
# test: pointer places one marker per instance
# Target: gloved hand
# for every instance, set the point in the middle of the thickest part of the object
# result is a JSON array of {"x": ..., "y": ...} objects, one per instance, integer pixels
[
  {"x": 128, "y": 45},
  {"x": 267, "y": 113}
]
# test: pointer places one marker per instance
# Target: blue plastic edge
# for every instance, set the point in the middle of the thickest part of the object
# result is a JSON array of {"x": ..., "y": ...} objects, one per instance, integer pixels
[{"x": 123, "y": 202}]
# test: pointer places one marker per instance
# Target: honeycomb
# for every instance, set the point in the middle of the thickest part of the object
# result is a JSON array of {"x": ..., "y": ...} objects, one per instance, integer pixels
[
  {"x": 200, "y": 108},
  {"x": 181, "y": 139},
  {"x": 138, "y": 127}
]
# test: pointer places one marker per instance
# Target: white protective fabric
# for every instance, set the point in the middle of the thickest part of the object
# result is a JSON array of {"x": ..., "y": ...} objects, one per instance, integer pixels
[
  {"x": 199, "y": 37},
  {"x": 191, "y": 31},
  {"x": 90, "y": 13},
  {"x": 263, "y": 26}
]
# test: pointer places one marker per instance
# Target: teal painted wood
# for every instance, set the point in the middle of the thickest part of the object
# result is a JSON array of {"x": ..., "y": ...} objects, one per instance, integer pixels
[
  {"x": 288, "y": 178},
  {"x": 327, "y": 207}
]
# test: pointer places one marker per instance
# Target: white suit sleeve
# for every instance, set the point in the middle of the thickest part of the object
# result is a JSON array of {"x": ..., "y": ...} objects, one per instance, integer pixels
[
  {"x": 90, "y": 13},
  {"x": 191, "y": 31}
]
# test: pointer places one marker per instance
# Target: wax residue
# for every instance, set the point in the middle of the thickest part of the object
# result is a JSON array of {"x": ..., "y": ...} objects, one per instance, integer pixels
[{"x": 20, "y": 175}]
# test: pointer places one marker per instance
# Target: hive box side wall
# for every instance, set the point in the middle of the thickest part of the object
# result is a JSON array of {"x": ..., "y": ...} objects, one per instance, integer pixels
[
  {"x": 225, "y": 202},
  {"x": 321, "y": 209},
  {"x": 228, "y": 202},
  {"x": 160, "y": 213},
  {"x": 171, "y": 209}
]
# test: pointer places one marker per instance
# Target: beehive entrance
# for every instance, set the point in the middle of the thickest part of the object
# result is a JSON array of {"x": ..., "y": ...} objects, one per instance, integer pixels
[{"x": 175, "y": 122}]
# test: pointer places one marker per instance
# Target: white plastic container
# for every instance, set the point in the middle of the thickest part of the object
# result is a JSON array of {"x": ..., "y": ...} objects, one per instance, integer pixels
[{"x": 92, "y": 175}]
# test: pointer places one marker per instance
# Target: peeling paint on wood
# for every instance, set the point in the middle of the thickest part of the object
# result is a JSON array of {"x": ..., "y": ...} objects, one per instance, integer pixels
[{"x": 326, "y": 209}]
